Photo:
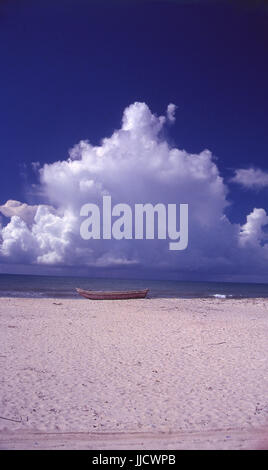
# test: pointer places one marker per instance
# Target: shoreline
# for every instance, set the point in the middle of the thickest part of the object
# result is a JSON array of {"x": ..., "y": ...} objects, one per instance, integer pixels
[
  {"x": 229, "y": 439},
  {"x": 152, "y": 372},
  {"x": 219, "y": 297}
]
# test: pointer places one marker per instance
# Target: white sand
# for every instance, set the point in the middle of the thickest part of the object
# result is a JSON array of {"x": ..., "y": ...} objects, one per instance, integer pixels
[{"x": 153, "y": 373}]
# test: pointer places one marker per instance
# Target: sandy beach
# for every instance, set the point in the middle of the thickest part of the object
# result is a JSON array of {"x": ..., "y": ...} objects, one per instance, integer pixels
[{"x": 137, "y": 374}]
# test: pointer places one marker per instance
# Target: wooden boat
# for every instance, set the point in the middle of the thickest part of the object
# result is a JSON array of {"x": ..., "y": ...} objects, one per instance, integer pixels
[{"x": 113, "y": 295}]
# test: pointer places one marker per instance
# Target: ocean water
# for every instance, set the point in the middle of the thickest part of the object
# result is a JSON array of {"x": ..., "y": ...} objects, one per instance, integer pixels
[{"x": 12, "y": 285}]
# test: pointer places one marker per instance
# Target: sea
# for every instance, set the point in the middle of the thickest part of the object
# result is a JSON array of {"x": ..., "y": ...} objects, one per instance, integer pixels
[{"x": 32, "y": 286}]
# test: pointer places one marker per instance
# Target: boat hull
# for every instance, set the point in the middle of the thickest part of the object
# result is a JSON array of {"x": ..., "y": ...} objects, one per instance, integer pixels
[{"x": 123, "y": 295}]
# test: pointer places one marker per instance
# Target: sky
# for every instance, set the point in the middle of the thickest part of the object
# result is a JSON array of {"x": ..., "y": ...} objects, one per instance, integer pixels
[{"x": 85, "y": 90}]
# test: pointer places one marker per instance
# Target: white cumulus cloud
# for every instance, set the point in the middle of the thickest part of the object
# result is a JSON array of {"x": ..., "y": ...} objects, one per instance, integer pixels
[
  {"x": 22, "y": 210},
  {"x": 252, "y": 178},
  {"x": 134, "y": 165},
  {"x": 252, "y": 232}
]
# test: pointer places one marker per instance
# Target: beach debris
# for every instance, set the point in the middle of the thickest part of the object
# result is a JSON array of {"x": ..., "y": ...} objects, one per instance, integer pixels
[
  {"x": 14, "y": 420},
  {"x": 260, "y": 408},
  {"x": 53, "y": 410},
  {"x": 216, "y": 344},
  {"x": 55, "y": 303}
]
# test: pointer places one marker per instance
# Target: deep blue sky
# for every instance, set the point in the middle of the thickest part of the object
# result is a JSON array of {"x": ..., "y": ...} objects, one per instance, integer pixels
[{"x": 69, "y": 68}]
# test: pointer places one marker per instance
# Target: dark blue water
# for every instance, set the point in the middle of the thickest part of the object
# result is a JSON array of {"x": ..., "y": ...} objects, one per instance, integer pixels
[{"x": 64, "y": 287}]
